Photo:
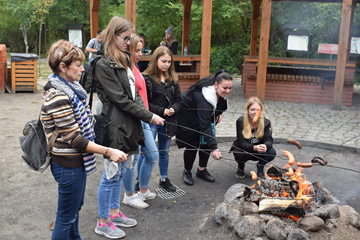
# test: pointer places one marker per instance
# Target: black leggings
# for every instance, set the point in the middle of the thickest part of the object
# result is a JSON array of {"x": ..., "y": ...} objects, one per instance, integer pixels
[
  {"x": 242, "y": 157},
  {"x": 192, "y": 147}
]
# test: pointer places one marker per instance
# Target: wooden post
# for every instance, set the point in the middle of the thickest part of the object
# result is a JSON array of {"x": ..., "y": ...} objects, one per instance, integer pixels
[
  {"x": 263, "y": 49},
  {"x": 130, "y": 12},
  {"x": 254, "y": 27},
  {"x": 186, "y": 24},
  {"x": 206, "y": 38},
  {"x": 94, "y": 20},
  {"x": 343, "y": 51}
]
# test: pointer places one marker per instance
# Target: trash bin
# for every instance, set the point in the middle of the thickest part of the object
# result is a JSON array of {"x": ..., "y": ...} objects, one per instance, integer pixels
[{"x": 23, "y": 72}]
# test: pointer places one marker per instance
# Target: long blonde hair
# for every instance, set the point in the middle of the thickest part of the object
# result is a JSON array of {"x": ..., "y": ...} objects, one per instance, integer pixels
[
  {"x": 153, "y": 69},
  {"x": 169, "y": 41},
  {"x": 117, "y": 25},
  {"x": 135, "y": 39},
  {"x": 259, "y": 131}
]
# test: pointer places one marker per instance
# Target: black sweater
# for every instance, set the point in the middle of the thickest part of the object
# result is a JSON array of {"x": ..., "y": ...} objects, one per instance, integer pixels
[{"x": 248, "y": 144}]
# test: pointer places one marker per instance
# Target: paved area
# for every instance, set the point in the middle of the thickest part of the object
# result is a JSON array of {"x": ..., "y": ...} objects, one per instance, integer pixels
[
  {"x": 311, "y": 124},
  {"x": 30, "y": 198}
]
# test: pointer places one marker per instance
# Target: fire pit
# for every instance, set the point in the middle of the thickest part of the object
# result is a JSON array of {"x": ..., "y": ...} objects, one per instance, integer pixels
[{"x": 284, "y": 205}]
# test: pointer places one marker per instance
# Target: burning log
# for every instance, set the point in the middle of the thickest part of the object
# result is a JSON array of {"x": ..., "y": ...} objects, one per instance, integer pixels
[{"x": 294, "y": 207}]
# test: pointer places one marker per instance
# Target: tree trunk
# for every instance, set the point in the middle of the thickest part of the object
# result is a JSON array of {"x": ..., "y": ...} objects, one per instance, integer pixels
[
  {"x": 24, "y": 32},
  {"x": 40, "y": 49}
]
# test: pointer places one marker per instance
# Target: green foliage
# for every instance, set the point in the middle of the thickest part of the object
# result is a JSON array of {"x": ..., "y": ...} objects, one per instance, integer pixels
[{"x": 231, "y": 24}]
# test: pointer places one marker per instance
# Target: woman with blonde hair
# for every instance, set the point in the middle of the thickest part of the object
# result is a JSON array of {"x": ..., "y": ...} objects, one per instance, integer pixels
[
  {"x": 115, "y": 85},
  {"x": 254, "y": 139},
  {"x": 149, "y": 153},
  {"x": 170, "y": 41},
  {"x": 66, "y": 110},
  {"x": 164, "y": 97}
]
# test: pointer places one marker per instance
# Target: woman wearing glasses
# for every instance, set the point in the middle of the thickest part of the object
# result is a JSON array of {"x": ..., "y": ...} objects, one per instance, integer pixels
[
  {"x": 115, "y": 84},
  {"x": 66, "y": 110}
]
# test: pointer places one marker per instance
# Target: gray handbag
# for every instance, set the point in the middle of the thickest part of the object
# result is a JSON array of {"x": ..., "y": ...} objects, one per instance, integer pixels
[{"x": 34, "y": 144}]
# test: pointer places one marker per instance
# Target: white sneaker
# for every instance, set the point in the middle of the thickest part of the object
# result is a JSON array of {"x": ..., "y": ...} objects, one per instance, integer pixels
[
  {"x": 146, "y": 196},
  {"x": 134, "y": 201}
]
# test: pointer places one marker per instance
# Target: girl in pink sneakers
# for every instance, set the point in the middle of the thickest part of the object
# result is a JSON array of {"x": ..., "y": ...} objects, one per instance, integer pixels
[{"x": 115, "y": 85}]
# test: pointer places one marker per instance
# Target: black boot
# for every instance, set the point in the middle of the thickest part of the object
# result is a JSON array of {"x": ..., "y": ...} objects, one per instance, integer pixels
[
  {"x": 240, "y": 173},
  {"x": 187, "y": 177},
  {"x": 260, "y": 171},
  {"x": 204, "y": 174}
]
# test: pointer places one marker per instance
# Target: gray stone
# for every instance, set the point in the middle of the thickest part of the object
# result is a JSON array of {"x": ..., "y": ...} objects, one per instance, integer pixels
[
  {"x": 248, "y": 226},
  {"x": 328, "y": 198},
  {"x": 267, "y": 217},
  {"x": 249, "y": 208},
  {"x": 231, "y": 193},
  {"x": 327, "y": 211},
  {"x": 275, "y": 229},
  {"x": 350, "y": 215},
  {"x": 311, "y": 223},
  {"x": 330, "y": 224},
  {"x": 220, "y": 213},
  {"x": 202, "y": 224},
  {"x": 298, "y": 234},
  {"x": 233, "y": 210}
]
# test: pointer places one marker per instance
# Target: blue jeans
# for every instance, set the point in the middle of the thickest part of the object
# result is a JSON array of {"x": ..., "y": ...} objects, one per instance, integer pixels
[
  {"x": 71, "y": 190},
  {"x": 163, "y": 146},
  {"x": 148, "y": 157},
  {"x": 90, "y": 60},
  {"x": 109, "y": 194}
]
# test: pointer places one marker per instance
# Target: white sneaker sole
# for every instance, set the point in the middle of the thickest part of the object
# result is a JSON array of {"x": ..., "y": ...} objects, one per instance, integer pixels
[
  {"x": 107, "y": 235},
  {"x": 136, "y": 206},
  {"x": 147, "y": 198}
]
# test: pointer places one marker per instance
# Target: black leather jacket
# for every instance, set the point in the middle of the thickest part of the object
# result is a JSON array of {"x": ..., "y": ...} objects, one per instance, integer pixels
[{"x": 166, "y": 95}]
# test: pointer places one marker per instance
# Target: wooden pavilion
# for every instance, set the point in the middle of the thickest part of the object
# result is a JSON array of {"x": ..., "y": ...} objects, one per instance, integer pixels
[{"x": 256, "y": 80}]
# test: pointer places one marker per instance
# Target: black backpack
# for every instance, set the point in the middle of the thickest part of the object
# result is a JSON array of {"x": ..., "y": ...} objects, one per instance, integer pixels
[{"x": 34, "y": 145}]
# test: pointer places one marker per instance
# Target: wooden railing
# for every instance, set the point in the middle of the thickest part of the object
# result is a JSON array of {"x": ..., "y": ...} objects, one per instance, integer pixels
[
  {"x": 299, "y": 61},
  {"x": 176, "y": 57}
]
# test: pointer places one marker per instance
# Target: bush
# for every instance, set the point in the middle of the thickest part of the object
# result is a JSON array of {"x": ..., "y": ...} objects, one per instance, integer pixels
[{"x": 228, "y": 56}]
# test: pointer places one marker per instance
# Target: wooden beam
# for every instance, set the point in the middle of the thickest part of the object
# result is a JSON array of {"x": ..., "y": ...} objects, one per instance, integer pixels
[
  {"x": 263, "y": 49},
  {"x": 344, "y": 48},
  {"x": 130, "y": 12},
  {"x": 254, "y": 26},
  {"x": 206, "y": 38},
  {"x": 94, "y": 20},
  {"x": 186, "y": 24},
  {"x": 299, "y": 61}
]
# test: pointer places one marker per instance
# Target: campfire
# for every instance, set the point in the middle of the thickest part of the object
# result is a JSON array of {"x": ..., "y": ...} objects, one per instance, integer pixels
[
  {"x": 283, "y": 205},
  {"x": 281, "y": 193},
  {"x": 285, "y": 191}
]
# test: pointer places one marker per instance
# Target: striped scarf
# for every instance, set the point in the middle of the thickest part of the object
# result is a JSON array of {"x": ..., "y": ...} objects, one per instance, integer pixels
[{"x": 83, "y": 115}]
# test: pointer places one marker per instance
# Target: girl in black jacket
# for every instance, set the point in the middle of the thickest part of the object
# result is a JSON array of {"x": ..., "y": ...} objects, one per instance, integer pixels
[
  {"x": 201, "y": 108},
  {"x": 164, "y": 97},
  {"x": 253, "y": 137}
]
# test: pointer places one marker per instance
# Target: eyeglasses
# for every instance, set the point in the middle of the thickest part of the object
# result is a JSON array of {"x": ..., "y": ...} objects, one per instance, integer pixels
[
  {"x": 126, "y": 39},
  {"x": 75, "y": 47}
]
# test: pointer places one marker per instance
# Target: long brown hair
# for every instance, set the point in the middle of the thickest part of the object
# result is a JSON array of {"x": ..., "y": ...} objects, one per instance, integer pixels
[
  {"x": 259, "y": 132},
  {"x": 117, "y": 25},
  {"x": 153, "y": 69},
  {"x": 134, "y": 42}
]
